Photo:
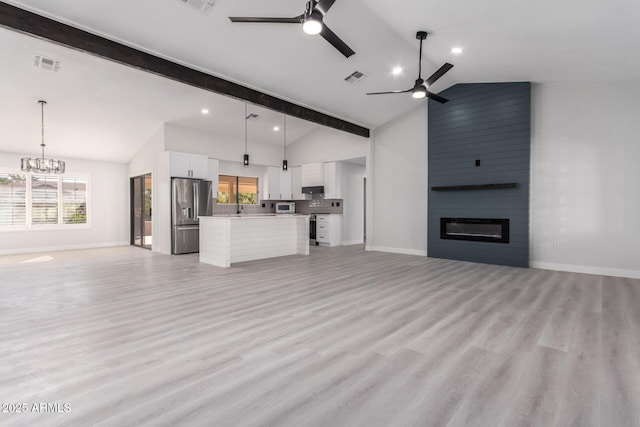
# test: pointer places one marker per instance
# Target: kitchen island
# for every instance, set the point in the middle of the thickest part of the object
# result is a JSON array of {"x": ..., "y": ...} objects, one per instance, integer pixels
[{"x": 225, "y": 240}]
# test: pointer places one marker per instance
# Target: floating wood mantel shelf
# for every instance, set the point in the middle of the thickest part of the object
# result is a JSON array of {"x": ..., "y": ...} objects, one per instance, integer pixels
[{"x": 476, "y": 187}]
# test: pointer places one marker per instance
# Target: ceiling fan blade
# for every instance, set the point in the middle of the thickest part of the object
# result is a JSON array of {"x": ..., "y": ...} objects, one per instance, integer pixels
[
  {"x": 323, "y": 6},
  {"x": 394, "y": 91},
  {"x": 294, "y": 20},
  {"x": 335, "y": 41},
  {"x": 437, "y": 98},
  {"x": 435, "y": 76}
]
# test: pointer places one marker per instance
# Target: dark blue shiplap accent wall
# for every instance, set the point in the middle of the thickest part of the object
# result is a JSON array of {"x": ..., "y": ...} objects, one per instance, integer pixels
[{"x": 490, "y": 122}]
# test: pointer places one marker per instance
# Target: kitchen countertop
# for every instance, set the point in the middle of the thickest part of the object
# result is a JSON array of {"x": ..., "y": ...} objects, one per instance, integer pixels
[{"x": 237, "y": 216}]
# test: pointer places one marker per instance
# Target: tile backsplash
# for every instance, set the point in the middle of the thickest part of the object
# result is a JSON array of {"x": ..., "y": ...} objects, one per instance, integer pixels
[
  {"x": 245, "y": 209},
  {"x": 329, "y": 206}
]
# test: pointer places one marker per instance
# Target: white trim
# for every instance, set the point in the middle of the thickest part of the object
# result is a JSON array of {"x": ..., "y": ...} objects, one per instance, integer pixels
[
  {"x": 64, "y": 248},
  {"x": 352, "y": 242},
  {"x": 601, "y": 271},
  {"x": 397, "y": 250}
]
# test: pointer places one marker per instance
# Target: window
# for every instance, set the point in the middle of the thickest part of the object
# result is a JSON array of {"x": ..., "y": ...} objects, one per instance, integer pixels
[
  {"x": 30, "y": 201},
  {"x": 237, "y": 190},
  {"x": 227, "y": 189},
  {"x": 74, "y": 201},
  {"x": 44, "y": 200},
  {"x": 13, "y": 200},
  {"x": 247, "y": 190}
]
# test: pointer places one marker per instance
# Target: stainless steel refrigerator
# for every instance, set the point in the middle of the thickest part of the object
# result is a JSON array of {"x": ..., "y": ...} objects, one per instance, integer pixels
[{"x": 190, "y": 199}]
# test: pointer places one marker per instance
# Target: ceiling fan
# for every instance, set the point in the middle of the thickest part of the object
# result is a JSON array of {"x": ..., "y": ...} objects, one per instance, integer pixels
[
  {"x": 311, "y": 21},
  {"x": 419, "y": 90}
]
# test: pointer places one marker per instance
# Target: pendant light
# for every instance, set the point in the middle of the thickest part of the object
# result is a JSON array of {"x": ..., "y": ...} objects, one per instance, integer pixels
[
  {"x": 285, "y": 166},
  {"x": 42, "y": 164},
  {"x": 245, "y": 159}
]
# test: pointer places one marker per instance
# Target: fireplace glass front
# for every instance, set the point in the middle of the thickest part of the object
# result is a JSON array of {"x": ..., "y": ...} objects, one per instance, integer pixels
[{"x": 475, "y": 229}]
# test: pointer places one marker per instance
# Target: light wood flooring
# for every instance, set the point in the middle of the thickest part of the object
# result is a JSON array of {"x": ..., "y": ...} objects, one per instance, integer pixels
[{"x": 341, "y": 338}]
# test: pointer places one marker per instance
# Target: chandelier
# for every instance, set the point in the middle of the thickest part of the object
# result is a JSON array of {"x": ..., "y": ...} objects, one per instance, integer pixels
[{"x": 42, "y": 164}]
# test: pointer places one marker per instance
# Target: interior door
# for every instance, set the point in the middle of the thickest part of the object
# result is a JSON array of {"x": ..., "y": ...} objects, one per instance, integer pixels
[{"x": 141, "y": 219}]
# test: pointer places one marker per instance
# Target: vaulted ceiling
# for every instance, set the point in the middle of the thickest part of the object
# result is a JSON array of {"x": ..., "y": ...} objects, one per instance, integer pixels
[{"x": 543, "y": 41}]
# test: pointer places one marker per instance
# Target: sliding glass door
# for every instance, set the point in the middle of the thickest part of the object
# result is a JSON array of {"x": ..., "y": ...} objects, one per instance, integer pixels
[{"x": 141, "y": 211}]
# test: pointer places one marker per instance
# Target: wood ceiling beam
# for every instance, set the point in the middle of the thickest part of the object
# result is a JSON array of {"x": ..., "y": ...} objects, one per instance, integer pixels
[{"x": 35, "y": 25}]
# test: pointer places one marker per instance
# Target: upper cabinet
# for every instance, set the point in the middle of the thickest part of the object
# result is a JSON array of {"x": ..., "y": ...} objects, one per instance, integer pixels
[
  {"x": 213, "y": 166},
  {"x": 333, "y": 173},
  {"x": 285, "y": 185},
  {"x": 271, "y": 184},
  {"x": 312, "y": 175},
  {"x": 296, "y": 183},
  {"x": 185, "y": 165},
  {"x": 276, "y": 184},
  {"x": 329, "y": 175}
]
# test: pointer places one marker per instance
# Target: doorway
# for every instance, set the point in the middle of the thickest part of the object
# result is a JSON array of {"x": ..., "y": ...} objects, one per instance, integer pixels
[{"x": 141, "y": 224}]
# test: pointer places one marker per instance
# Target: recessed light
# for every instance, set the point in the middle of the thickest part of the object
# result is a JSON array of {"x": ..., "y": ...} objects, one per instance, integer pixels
[
  {"x": 276, "y": 128},
  {"x": 396, "y": 71},
  {"x": 456, "y": 50},
  {"x": 205, "y": 111}
]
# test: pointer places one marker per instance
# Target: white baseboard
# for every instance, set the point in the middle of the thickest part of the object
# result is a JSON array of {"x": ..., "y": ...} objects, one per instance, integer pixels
[
  {"x": 396, "y": 250},
  {"x": 63, "y": 248},
  {"x": 601, "y": 271},
  {"x": 352, "y": 242}
]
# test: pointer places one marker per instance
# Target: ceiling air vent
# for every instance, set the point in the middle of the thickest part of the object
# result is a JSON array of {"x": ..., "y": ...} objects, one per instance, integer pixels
[
  {"x": 355, "y": 77},
  {"x": 201, "y": 5},
  {"x": 253, "y": 117},
  {"x": 46, "y": 63}
]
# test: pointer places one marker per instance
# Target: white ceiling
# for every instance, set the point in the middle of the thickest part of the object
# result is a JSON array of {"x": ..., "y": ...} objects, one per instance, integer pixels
[
  {"x": 107, "y": 111},
  {"x": 97, "y": 109}
]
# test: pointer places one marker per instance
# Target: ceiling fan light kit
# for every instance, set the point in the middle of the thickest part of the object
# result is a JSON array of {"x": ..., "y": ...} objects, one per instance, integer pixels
[
  {"x": 419, "y": 89},
  {"x": 312, "y": 23},
  {"x": 419, "y": 92}
]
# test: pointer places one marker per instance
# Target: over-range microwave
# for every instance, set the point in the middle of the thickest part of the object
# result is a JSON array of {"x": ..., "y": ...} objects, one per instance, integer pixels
[{"x": 285, "y": 207}]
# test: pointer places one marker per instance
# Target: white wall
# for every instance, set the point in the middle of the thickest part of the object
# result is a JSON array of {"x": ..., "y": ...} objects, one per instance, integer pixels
[
  {"x": 238, "y": 169},
  {"x": 109, "y": 211},
  {"x": 222, "y": 147},
  {"x": 585, "y": 198},
  {"x": 326, "y": 145},
  {"x": 144, "y": 160},
  {"x": 353, "y": 203},
  {"x": 397, "y": 189},
  {"x": 161, "y": 202}
]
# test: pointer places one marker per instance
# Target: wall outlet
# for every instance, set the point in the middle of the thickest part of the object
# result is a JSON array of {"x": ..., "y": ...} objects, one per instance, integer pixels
[{"x": 556, "y": 244}]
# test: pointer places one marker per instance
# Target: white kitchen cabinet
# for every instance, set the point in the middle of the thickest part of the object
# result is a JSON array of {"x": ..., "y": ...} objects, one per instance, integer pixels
[
  {"x": 184, "y": 165},
  {"x": 271, "y": 184},
  {"x": 199, "y": 166},
  {"x": 329, "y": 229},
  {"x": 296, "y": 183},
  {"x": 285, "y": 185},
  {"x": 312, "y": 175},
  {"x": 213, "y": 166},
  {"x": 333, "y": 173}
]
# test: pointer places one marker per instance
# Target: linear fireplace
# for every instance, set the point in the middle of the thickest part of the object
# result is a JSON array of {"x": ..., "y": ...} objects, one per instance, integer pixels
[{"x": 475, "y": 229}]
